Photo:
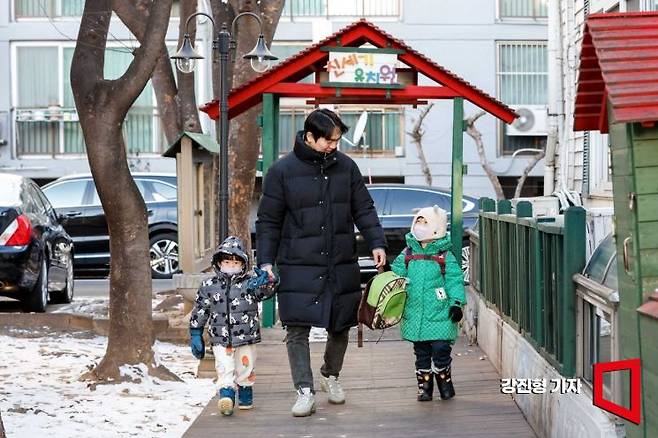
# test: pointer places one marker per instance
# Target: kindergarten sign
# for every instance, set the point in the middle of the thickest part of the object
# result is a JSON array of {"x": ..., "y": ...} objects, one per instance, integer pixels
[{"x": 362, "y": 68}]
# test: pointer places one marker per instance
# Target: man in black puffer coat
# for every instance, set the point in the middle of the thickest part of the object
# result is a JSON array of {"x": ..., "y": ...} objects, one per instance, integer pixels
[{"x": 312, "y": 198}]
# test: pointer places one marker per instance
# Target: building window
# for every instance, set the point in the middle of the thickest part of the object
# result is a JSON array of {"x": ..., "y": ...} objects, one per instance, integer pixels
[
  {"x": 341, "y": 8},
  {"x": 60, "y": 8},
  {"x": 523, "y": 8},
  {"x": 523, "y": 84},
  {"x": 382, "y": 136},
  {"x": 290, "y": 122},
  {"x": 44, "y": 112},
  {"x": 599, "y": 171},
  {"x": 383, "y": 133},
  {"x": 48, "y": 8}
]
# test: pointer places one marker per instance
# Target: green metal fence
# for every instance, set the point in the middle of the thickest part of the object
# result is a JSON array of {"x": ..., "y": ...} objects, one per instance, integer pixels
[{"x": 526, "y": 267}]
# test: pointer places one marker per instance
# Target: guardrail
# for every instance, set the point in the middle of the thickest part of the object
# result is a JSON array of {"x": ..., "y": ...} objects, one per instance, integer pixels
[
  {"x": 597, "y": 333},
  {"x": 526, "y": 269}
]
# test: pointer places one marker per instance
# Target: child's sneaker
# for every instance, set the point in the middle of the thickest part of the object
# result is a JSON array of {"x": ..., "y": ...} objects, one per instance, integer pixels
[
  {"x": 332, "y": 386},
  {"x": 444, "y": 382},
  {"x": 226, "y": 401},
  {"x": 425, "y": 385},
  {"x": 245, "y": 397},
  {"x": 305, "y": 404}
]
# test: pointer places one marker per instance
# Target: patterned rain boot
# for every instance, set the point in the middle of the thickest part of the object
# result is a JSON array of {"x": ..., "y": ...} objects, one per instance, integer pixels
[
  {"x": 226, "y": 401},
  {"x": 444, "y": 382},
  {"x": 425, "y": 385},
  {"x": 245, "y": 397}
]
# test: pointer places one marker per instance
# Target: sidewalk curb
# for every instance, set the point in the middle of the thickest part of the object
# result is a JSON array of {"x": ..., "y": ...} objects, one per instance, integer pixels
[{"x": 77, "y": 321}]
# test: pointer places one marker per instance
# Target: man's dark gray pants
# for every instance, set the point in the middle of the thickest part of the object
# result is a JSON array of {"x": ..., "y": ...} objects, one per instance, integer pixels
[{"x": 299, "y": 355}]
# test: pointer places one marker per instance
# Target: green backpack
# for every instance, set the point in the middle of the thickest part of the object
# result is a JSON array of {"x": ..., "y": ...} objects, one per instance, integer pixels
[{"x": 382, "y": 303}]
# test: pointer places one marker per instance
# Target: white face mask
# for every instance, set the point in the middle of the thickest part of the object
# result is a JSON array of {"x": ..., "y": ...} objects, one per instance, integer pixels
[
  {"x": 231, "y": 271},
  {"x": 422, "y": 232}
]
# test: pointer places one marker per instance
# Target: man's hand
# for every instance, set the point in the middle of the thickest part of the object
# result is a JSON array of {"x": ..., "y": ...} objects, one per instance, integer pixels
[{"x": 379, "y": 256}]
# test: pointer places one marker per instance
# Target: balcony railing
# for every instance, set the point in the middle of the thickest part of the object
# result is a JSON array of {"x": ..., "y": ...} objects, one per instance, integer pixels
[
  {"x": 56, "y": 131},
  {"x": 341, "y": 8},
  {"x": 525, "y": 268}
]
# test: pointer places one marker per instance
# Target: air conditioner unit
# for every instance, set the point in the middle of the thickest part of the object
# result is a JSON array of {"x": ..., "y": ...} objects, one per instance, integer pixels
[{"x": 532, "y": 120}]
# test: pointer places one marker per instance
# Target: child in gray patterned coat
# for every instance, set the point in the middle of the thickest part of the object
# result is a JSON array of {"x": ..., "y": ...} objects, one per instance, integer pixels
[{"x": 230, "y": 301}]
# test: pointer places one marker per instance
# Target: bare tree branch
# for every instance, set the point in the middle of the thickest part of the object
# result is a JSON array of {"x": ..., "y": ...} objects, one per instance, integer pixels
[
  {"x": 129, "y": 86},
  {"x": 531, "y": 165},
  {"x": 135, "y": 16},
  {"x": 417, "y": 134},
  {"x": 473, "y": 132}
]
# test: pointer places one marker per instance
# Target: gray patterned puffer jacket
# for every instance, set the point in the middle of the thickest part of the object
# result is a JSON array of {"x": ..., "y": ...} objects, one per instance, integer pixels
[{"x": 230, "y": 302}]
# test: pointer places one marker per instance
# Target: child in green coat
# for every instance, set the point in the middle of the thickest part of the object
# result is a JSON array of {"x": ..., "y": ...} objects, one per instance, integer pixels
[{"x": 435, "y": 297}]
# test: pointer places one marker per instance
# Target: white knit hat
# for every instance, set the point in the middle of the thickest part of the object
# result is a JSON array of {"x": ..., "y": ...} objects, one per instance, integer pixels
[{"x": 437, "y": 219}]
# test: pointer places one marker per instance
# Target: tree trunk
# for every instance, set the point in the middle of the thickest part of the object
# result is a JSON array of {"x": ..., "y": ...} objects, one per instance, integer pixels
[
  {"x": 473, "y": 132},
  {"x": 417, "y": 137},
  {"x": 2, "y": 428},
  {"x": 531, "y": 165},
  {"x": 189, "y": 113},
  {"x": 131, "y": 335}
]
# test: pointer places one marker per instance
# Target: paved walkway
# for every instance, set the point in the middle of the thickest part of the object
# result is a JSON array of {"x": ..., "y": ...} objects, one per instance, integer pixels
[{"x": 381, "y": 398}]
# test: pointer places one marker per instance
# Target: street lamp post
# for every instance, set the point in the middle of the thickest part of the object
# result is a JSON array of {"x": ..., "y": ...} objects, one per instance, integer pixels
[{"x": 186, "y": 58}]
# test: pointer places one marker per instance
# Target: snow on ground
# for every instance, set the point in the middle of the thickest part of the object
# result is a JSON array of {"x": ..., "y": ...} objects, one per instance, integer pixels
[{"x": 40, "y": 393}]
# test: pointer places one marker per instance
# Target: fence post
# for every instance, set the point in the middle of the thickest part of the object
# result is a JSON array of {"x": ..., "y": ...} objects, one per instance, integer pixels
[
  {"x": 486, "y": 205},
  {"x": 537, "y": 297},
  {"x": 502, "y": 259},
  {"x": 522, "y": 289},
  {"x": 573, "y": 261}
]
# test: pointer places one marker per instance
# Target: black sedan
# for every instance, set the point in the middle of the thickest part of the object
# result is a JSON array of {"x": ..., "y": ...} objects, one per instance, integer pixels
[
  {"x": 395, "y": 205},
  {"x": 76, "y": 200},
  {"x": 36, "y": 253}
]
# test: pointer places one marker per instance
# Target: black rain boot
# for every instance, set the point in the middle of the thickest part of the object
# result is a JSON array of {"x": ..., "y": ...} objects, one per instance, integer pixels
[
  {"x": 444, "y": 382},
  {"x": 425, "y": 385}
]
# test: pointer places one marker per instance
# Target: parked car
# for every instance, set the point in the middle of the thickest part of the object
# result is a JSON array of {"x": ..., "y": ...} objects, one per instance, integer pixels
[
  {"x": 36, "y": 253},
  {"x": 395, "y": 205},
  {"x": 76, "y": 200}
]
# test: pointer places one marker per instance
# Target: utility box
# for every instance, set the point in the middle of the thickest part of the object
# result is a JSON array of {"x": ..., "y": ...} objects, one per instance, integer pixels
[{"x": 541, "y": 205}]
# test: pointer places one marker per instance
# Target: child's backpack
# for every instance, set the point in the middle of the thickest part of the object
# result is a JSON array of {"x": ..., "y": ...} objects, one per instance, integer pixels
[
  {"x": 382, "y": 302},
  {"x": 440, "y": 258}
]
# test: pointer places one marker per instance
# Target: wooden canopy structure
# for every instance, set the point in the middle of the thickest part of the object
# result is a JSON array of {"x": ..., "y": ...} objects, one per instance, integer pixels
[{"x": 362, "y": 39}]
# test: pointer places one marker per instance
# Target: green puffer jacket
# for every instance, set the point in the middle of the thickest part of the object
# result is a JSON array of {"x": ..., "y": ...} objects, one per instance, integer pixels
[{"x": 425, "y": 316}]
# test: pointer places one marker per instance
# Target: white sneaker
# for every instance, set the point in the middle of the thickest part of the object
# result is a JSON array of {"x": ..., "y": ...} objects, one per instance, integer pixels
[
  {"x": 305, "y": 404},
  {"x": 332, "y": 386}
]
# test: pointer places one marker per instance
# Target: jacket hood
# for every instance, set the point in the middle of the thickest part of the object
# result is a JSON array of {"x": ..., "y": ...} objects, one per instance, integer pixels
[
  {"x": 437, "y": 220},
  {"x": 232, "y": 245},
  {"x": 305, "y": 153}
]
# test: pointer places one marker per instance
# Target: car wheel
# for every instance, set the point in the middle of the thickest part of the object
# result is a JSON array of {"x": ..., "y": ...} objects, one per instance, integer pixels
[
  {"x": 164, "y": 255},
  {"x": 65, "y": 296},
  {"x": 37, "y": 299}
]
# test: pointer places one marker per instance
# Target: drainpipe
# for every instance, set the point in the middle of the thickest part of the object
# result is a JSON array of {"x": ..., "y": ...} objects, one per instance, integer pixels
[{"x": 554, "y": 93}]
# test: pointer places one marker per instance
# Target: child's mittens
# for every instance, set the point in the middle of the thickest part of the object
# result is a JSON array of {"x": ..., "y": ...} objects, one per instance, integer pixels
[
  {"x": 196, "y": 343},
  {"x": 260, "y": 280},
  {"x": 455, "y": 313}
]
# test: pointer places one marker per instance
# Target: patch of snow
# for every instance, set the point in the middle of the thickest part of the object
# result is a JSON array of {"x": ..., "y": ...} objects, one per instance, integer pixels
[{"x": 41, "y": 395}]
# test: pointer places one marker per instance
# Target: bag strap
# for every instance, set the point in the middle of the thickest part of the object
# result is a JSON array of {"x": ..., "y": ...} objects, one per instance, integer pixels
[{"x": 439, "y": 258}]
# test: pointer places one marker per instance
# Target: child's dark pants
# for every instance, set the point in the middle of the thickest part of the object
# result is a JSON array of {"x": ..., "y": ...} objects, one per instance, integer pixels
[{"x": 432, "y": 351}]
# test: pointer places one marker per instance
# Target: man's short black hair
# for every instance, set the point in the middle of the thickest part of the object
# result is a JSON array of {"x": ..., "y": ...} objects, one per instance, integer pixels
[{"x": 322, "y": 123}]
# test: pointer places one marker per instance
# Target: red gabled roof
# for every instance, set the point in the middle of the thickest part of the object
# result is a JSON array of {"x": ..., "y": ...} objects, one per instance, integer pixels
[
  {"x": 356, "y": 34},
  {"x": 619, "y": 62}
]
